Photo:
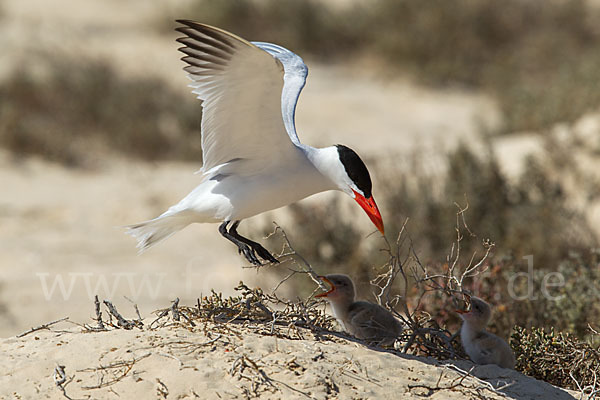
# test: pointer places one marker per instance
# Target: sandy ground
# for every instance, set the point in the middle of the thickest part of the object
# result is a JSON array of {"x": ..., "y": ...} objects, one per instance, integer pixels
[{"x": 176, "y": 363}]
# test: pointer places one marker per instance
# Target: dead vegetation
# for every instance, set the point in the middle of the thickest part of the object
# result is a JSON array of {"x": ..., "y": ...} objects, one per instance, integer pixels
[
  {"x": 406, "y": 283},
  {"x": 464, "y": 382},
  {"x": 112, "y": 373},
  {"x": 268, "y": 314},
  {"x": 424, "y": 294},
  {"x": 254, "y": 310}
]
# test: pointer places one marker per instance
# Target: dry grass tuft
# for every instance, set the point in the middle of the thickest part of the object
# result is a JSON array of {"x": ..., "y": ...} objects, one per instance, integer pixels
[{"x": 265, "y": 314}]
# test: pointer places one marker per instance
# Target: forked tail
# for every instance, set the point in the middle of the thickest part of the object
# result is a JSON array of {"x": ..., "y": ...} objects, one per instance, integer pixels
[{"x": 150, "y": 232}]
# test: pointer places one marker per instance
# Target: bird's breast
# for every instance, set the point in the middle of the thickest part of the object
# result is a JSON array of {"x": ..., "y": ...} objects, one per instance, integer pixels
[{"x": 254, "y": 194}]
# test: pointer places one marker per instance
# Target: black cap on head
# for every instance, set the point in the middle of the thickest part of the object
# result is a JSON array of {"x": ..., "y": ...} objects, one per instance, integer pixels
[{"x": 355, "y": 168}]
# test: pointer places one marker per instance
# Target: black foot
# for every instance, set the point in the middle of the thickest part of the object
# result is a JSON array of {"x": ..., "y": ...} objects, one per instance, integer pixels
[
  {"x": 256, "y": 247},
  {"x": 249, "y": 253},
  {"x": 248, "y": 248},
  {"x": 264, "y": 254}
]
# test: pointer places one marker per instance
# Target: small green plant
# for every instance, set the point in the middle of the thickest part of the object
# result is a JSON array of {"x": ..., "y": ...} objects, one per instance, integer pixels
[{"x": 557, "y": 358}]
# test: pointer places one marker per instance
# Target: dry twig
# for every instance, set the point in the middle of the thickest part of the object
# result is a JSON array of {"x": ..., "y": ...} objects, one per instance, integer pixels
[
  {"x": 60, "y": 380},
  {"x": 122, "y": 322},
  {"x": 43, "y": 326},
  {"x": 289, "y": 252},
  {"x": 98, "y": 313},
  {"x": 458, "y": 382},
  {"x": 424, "y": 336},
  {"x": 117, "y": 371}
]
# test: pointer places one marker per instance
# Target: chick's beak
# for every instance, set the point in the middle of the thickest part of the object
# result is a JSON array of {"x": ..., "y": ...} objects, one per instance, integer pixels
[
  {"x": 468, "y": 304},
  {"x": 330, "y": 290},
  {"x": 371, "y": 209}
]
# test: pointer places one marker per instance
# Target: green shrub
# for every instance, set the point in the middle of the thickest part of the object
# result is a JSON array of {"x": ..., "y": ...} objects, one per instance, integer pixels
[{"x": 557, "y": 358}]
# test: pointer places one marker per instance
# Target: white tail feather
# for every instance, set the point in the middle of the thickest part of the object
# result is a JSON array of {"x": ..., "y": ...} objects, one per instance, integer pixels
[{"x": 151, "y": 232}]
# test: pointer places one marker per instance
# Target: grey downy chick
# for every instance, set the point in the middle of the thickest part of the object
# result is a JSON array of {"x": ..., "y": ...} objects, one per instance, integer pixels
[
  {"x": 361, "y": 319},
  {"x": 481, "y": 346}
]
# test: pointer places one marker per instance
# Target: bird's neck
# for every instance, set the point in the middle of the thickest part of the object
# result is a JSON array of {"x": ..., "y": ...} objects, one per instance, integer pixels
[
  {"x": 340, "y": 308},
  {"x": 326, "y": 161},
  {"x": 470, "y": 330},
  {"x": 321, "y": 157}
]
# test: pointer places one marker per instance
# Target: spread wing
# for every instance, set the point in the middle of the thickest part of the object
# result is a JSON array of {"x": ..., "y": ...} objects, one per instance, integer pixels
[{"x": 249, "y": 94}]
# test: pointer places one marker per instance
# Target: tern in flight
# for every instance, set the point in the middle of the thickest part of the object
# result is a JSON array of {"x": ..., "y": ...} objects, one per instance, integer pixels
[{"x": 253, "y": 160}]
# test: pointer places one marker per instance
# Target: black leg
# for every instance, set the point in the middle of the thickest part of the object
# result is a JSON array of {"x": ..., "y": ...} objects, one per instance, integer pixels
[
  {"x": 243, "y": 248},
  {"x": 256, "y": 247}
]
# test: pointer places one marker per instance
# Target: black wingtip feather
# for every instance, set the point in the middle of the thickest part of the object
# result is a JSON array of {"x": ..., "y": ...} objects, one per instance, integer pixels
[
  {"x": 206, "y": 30},
  {"x": 213, "y": 62},
  {"x": 198, "y": 45},
  {"x": 225, "y": 46}
]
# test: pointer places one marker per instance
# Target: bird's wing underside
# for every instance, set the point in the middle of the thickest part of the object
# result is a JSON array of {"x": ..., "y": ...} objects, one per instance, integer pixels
[
  {"x": 248, "y": 92},
  {"x": 295, "y": 73}
]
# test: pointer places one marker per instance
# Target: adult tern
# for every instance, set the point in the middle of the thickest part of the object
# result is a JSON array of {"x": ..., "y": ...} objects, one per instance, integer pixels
[{"x": 253, "y": 160}]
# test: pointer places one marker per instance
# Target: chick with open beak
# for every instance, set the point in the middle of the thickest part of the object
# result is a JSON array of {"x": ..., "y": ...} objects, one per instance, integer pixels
[
  {"x": 481, "y": 346},
  {"x": 361, "y": 319}
]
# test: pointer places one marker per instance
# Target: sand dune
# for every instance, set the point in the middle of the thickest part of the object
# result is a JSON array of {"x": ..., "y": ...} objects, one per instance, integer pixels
[{"x": 211, "y": 362}]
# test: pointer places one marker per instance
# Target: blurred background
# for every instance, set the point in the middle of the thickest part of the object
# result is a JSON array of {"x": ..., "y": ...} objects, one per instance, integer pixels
[{"x": 479, "y": 102}]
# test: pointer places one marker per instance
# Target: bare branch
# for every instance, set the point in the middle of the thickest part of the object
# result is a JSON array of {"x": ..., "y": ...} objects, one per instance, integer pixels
[
  {"x": 121, "y": 322},
  {"x": 43, "y": 326},
  {"x": 289, "y": 251}
]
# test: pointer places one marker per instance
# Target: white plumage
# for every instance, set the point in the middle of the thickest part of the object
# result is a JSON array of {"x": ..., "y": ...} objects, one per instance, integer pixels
[{"x": 253, "y": 160}]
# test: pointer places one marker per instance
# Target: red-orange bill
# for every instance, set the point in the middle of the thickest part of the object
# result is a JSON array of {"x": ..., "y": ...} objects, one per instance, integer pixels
[
  {"x": 329, "y": 283},
  {"x": 371, "y": 209}
]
